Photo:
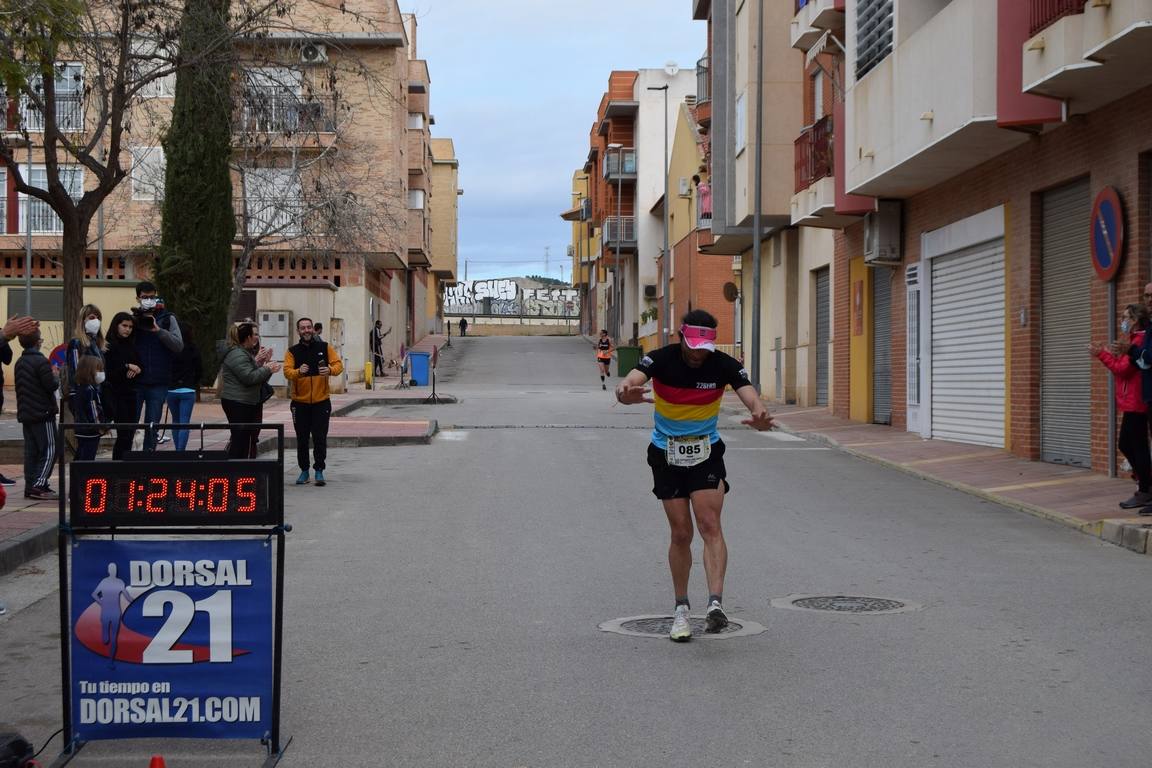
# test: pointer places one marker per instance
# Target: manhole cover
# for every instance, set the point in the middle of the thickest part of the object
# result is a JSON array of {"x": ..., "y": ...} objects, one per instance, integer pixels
[
  {"x": 845, "y": 604},
  {"x": 659, "y": 626}
]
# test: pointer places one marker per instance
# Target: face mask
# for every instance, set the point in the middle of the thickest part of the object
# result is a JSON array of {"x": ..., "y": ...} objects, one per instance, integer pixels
[
  {"x": 149, "y": 303},
  {"x": 1124, "y": 326},
  {"x": 99, "y": 377},
  {"x": 92, "y": 326}
]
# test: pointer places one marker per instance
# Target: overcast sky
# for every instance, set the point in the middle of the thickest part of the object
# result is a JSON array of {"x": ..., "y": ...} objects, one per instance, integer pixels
[{"x": 516, "y": 84}]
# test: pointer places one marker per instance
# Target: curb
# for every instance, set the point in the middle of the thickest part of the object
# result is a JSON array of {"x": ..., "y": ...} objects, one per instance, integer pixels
[
  {"x": 1134, "y": 537},
  {"x": 366, "y": 402},
  {"x": 27, "y": 546}
]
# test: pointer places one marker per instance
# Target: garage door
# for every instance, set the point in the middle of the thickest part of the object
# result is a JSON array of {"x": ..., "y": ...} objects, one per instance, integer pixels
[
  {"x": 968, "y": 345},
  {"x": 1066, "y": 327}
]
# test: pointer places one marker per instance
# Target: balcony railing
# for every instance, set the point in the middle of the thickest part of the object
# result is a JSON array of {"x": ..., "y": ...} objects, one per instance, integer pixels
[
  {"x": 44, "y": 219},
  {"x": 69, "y": 114},
  {"x": 284, "y": 113},
  {"x": 619, "y": 229},
  {"x": 814, "y": 154},
  {"x": 703, "y": 81},
  {"x": 1046, "y": 12},
  {"x": 612, "y": 161},
  {"x": 276, "y": 217}
]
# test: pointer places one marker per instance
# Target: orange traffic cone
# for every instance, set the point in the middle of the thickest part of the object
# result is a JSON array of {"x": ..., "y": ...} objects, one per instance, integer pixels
[{"x": 157, "y": 762}]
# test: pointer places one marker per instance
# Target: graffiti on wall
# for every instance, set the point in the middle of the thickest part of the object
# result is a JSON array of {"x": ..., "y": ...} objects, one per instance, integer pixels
[{"x": 505, "y": 297}]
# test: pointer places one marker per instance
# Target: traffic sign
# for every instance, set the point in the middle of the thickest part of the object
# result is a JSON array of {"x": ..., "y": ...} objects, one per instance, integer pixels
[{"x": 1107, "y": 236}]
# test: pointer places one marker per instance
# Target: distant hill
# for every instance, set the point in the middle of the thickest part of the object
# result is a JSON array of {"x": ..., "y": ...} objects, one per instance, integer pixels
[{"x": 546, "y": 282}]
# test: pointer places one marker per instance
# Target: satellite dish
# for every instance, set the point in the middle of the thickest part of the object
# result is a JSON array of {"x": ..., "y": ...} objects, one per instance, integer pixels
[
  {"x": 671, "y": 69},
  {"x": 731, "y": 292}
]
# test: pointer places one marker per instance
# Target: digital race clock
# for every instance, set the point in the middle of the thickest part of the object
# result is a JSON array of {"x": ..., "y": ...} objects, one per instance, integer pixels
[{"x": 133, "y": 493}]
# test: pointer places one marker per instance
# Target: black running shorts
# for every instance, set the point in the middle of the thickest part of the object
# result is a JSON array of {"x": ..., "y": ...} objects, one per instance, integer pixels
[{"x": 680, "y": 482}]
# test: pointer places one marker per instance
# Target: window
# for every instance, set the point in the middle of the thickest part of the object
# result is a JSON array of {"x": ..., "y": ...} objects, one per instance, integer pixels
[
  {"x": 44, "y": 219},
  {"x": 147, "y": 173},
  {"x": 415, "y": 120},
  {"x": 741, "y": 122},
  {"x": 148, "y": 57},
  {"x": 69, "y": 86},
  {"x": 873, "y": 34},
  {"x": 275, "y": 201},
  {"x": 272, "y": 102},
  {"x": 415, "y": 199}
]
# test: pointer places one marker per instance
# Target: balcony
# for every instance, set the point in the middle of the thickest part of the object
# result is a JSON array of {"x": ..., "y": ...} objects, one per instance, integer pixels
[
  {"x": 1045, "y": 12},
  {"x": 276, "y": 218},
  {"x": 814, "y": 153},
  {"x": 1090, "y": 56},
  {"x": 284, "y": 113},
  {"x": 69, "y": 114},
  {"x": 926, "y": 112},
  {"x": 614, "y": 160},
  {"x": 619, "y": 231},
  {"x": 703, "y": 81},
  {"x": 813, "y": 18}
]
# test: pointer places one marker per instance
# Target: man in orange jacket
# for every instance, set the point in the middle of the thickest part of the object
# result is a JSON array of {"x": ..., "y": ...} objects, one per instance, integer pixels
[{"x": 307, "y": 366}]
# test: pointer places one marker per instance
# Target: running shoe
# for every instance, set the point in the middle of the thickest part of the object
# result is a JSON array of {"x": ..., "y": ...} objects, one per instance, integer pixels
[
  {"x": 6, "y": 480},
  {"x": 715, "y": 619},
  {"x": 303, "y": 479},
  {"x": 320, "y": 477},
  {"x": 681, "y": 628}
]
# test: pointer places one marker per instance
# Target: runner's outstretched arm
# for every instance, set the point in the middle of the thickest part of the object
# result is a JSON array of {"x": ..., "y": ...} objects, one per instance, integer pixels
[
  {"x": 760, "y": 420},
  {"x": 631, "y": 389}
]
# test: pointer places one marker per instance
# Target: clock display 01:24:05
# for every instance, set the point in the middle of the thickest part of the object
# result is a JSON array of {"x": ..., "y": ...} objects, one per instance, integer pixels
[{"x": 192, "y": 495}]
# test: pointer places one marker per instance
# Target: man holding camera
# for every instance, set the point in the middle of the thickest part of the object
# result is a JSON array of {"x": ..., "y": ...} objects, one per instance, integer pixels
[
  {"x": 158, "y": 341},
  {"x": 307, "y": 366}
]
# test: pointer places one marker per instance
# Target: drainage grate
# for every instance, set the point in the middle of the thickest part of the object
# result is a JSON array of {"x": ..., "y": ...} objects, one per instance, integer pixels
[
  {"x": 845, "y": 604},
  {"x": 660, "y": 626}
]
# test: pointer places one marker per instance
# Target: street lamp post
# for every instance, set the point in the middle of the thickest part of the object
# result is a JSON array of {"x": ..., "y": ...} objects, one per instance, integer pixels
[
  {"x": 665, "y": 321},
  {"x": 618, "y": 287}
]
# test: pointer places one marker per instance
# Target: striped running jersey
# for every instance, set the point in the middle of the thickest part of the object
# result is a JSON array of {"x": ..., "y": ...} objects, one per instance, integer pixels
[{"x": 688, "y": 399}]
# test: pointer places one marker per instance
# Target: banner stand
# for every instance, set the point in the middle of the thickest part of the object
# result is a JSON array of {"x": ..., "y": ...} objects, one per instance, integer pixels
[{"x": 171, "y": 576}]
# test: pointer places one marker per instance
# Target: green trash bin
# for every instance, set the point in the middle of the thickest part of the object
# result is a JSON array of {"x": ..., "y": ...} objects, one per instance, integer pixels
[{"x": 626, "y": 359}]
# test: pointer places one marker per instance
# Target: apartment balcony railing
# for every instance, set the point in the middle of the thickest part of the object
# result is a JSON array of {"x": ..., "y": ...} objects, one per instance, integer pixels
[
  {"x": 1046, "y": 12},
  {"x": 284, "y": 113},
  {"x": 276, "y": 217},
  {"x": 615, "y": 159},
  {"x": 44, "y": 219},
  {"x": 619, "y": 229},
  {"x": 814, "y": 154},
  {"x": 69, "y": 113},
  {"x": 703, "y": 81}
]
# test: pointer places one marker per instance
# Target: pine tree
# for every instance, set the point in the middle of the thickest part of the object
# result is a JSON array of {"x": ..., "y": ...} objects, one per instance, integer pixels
[{"x": 194, "y": 270}]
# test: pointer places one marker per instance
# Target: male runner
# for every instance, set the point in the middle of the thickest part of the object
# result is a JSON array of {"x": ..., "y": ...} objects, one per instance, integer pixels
[
  {"x": 604, "y": 349},
  {"x": 687, "y": 455}
]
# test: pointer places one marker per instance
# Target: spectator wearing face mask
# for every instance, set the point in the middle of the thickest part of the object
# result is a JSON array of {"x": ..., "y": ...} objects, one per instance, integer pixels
[{"x": 158, "y": 341}]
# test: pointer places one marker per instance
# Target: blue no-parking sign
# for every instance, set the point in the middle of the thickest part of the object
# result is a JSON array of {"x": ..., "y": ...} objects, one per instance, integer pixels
[{"x": 171, "y": 638}]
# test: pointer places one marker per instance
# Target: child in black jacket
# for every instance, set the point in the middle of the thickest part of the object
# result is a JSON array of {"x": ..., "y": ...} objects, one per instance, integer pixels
[
  {"x": 36, "y": 385},
  {"x": 87, "y": 407}
]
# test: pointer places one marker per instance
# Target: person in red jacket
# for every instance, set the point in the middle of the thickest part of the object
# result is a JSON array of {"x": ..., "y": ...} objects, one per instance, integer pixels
[{"x": 1133, "y": 441}]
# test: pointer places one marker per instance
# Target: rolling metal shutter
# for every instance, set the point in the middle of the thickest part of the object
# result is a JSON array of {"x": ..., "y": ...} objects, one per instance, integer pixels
[
  {"x": 1066, "y": 327},
  {"x": 968, "y": 345},
  {"x": 882, "y": 345},
  {"x": 823, "y": 328}
]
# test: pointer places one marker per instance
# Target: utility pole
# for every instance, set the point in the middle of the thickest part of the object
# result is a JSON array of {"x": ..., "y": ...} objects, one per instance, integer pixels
[
  {"x": 665, "y": 321},
  {"x": 757, "y": 199}
]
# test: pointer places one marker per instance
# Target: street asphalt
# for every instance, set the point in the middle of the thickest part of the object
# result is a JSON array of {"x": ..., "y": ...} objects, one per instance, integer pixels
[{"x": 444, "y": 606}]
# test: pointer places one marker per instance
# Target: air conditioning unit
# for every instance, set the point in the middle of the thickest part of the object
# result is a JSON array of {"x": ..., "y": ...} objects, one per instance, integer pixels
[
  {"x": 685, "y": 186},
  {"x": 313, "y": 53},
  {"x": 649, "y": 291},
  {"x": 882, "y": 230}
]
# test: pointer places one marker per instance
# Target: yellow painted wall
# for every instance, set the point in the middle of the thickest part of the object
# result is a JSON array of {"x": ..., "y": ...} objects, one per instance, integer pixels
[{"x": 860, "y": 345}]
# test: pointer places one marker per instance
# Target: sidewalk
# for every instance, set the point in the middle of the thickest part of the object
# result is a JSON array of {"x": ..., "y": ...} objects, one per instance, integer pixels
[
  {"x": 28, "y": 528},
  {"x": 1075, "y": 497}
]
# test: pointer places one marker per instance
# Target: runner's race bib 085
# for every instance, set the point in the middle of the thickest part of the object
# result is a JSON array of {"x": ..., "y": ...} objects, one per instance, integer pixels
[{"x": 688, "y": 451}]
